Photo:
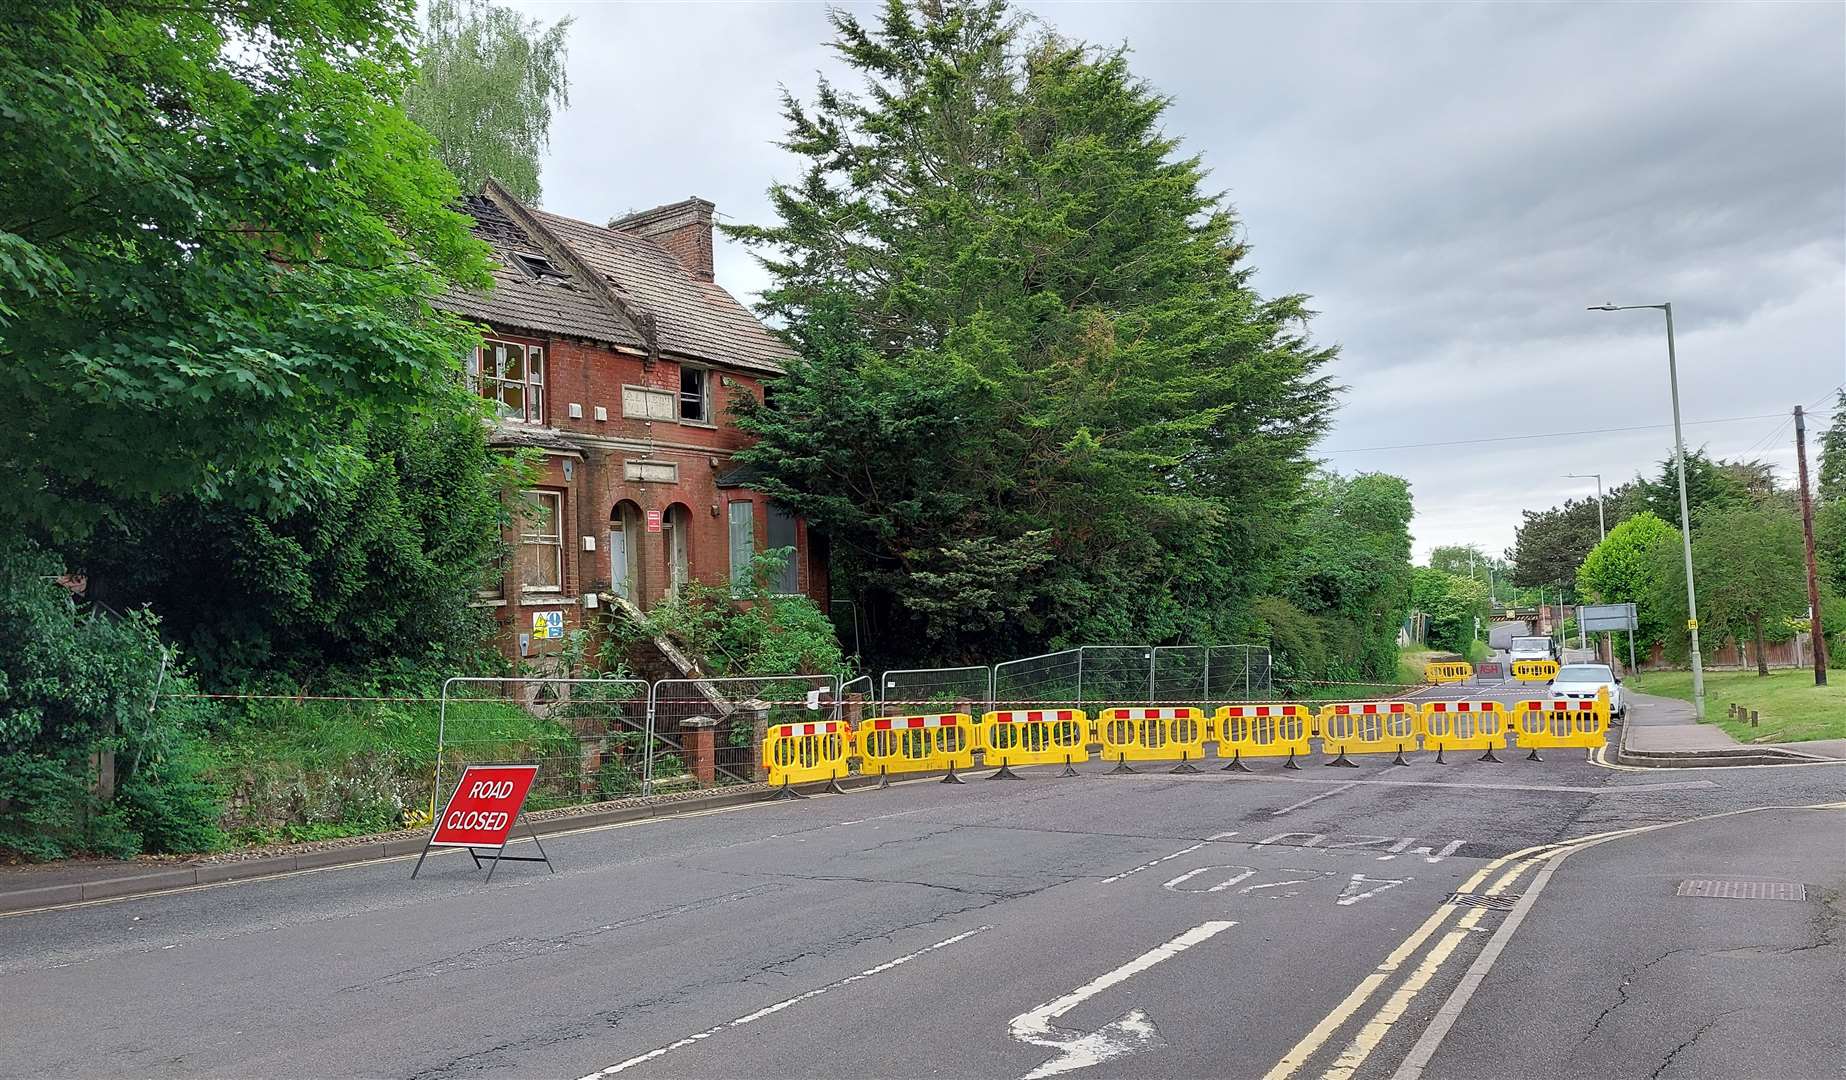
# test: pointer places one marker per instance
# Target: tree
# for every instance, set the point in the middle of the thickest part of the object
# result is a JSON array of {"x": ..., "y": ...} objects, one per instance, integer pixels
[
  {"x": 1031, "y": 356},
  {"x": 219, "y": 240},
  {"x": 1708, "y": 484},
  {"x": 1452, "y": 603},
  {"x": 1339, "y": 594},
  {"x": 488, "y": 82},
  {"x": 1750, "y": 573},
  {"x": 375, "y": 579},
  {"x": 1832, "y": 482},
  {"x": 1550, "y": 544},
  {"x": 1621, "y": 570}
]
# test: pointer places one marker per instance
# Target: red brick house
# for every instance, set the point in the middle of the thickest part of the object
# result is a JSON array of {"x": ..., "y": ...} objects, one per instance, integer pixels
[{"x": 613, "y": 352}]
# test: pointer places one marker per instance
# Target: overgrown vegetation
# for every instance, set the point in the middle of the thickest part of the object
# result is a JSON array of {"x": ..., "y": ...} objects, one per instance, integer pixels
[{"x": 747, "y": 630}]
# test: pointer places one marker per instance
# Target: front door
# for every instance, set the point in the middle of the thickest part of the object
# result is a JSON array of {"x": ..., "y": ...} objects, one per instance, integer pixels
[{"x": 618, "y": 562}]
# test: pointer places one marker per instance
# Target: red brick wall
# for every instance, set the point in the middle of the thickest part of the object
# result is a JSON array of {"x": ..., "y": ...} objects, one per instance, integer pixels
[{"x": 592, "y": 376}]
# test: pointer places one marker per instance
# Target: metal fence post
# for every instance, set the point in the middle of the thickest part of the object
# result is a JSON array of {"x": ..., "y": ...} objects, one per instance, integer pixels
[{"x": 647, "y": 741}]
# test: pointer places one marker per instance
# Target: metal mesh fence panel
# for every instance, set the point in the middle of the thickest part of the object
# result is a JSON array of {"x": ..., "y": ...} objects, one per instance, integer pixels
[
  {"x": 1115, "y": 674},
  {"x": 1180, "y": 673},
  {"x": 1039, "y": 680},
  {"x": 588, "y": 737},
  {"x": 953, "y": 689},
  {"x": 732, "y": 713}
]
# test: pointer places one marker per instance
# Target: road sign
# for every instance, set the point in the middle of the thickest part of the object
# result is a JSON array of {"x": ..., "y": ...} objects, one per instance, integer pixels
[
  {"x": 1595, "y": 617},
  {"x": 481, "y": 813}
]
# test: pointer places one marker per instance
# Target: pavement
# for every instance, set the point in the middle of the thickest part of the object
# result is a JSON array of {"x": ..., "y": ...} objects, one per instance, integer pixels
[{"x": 1217, "y": 924}]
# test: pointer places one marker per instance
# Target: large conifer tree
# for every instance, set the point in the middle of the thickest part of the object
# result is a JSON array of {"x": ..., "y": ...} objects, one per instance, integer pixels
[{"x": 1039, "y": 400}]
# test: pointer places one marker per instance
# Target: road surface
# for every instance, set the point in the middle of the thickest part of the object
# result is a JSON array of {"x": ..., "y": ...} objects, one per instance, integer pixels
[{"x": 1274, "y": 924}]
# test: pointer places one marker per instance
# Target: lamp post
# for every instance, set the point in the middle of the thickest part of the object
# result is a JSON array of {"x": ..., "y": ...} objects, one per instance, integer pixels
[
  {"x": 1685, "y": 517},
  {"x": 1601, "y": 533}
]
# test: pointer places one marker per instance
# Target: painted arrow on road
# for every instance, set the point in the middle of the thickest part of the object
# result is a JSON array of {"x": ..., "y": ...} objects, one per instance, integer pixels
[{"x": 1131, "y": 1032}]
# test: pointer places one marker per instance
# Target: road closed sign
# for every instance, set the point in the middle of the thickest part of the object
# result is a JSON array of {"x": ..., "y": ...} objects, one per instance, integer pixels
[{"x": 484, "y": 807}]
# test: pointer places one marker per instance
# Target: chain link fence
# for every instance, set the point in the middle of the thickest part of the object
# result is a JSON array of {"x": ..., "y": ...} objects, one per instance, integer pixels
[
  {"x": 718, "y": 723},
  {"x": 587, "y": 736}
]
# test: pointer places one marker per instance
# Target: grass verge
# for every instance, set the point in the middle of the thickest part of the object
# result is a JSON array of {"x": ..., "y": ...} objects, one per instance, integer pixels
[{"x": 1793, "y": 709}]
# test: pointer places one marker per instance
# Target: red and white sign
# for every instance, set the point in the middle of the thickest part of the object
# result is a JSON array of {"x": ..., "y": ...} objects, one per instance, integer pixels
[
  {"x": 484, "y": 807},
  {"x": 653, "y": 521}
]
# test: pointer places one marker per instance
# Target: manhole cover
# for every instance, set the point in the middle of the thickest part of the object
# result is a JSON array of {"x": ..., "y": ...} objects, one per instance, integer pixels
[
  {"x": 1500, "y": 902},
  {"x": 1744, "y": 890}
]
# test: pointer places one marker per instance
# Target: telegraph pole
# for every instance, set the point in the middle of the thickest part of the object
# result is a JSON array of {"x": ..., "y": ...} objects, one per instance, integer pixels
[{"x": 1815, "y": 634}]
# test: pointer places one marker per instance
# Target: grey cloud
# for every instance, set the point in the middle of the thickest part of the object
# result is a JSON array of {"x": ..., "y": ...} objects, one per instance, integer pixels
[{"x": 1452, "y": 184}]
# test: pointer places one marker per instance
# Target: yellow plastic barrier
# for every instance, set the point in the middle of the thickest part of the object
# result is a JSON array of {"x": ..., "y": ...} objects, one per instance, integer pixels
[
  {"x": 901, "y": 744},
  {"x": 1369, "y": 727},
  {"x": 1035, "y": 737},
  {"x": 1561, "y": 722},
  {"x": 1152, "y": 733},
  {"x": 1535, "y": 670},
  {"x": 803, "y": 753},
  {"x": 1445, "y": 672},
  {"x": 1464, "y": 725},
  {"x": 1263, "y": 731}
]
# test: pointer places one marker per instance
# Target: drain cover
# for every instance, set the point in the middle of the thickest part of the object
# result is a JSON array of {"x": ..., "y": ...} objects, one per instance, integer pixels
[
  {"x": 1500, "y": 902},
  {"x": 1744, "y": 890}
]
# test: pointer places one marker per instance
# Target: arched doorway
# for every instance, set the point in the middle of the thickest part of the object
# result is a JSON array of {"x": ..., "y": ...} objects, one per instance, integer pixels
[
  {"x": 625, "y": 550},
  {"x": 678, "y": 525}
]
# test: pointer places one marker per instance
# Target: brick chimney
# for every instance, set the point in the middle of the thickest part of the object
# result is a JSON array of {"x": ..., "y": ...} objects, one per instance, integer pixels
[{"x": 683, "y": 228}]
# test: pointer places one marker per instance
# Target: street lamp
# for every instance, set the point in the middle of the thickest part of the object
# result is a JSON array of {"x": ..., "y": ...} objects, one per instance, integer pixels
[
  {"x": 1685, "y": 517},
  {"x": 1601, "y": 533}
]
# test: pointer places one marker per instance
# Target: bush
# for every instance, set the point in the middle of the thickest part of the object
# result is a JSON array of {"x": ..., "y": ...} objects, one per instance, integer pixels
[{"x": 766, "y": 634}]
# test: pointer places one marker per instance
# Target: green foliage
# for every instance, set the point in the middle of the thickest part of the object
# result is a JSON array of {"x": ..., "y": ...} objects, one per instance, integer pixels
[
  {"x": 488, "y": 80},
  {"x": 1033, "y": 370},
  {"x": 1831, "y": 483},
  {"x": 219, "y": 240},
  {"x": 1341, "y": 584},
  {"x": 1709, "y": 484},
  {"x": 74, "y": 684},
  {"x": 372, "y": 581},
  {"x": 757, "y": 633},
  {"x": 1622, "y": 570},
  {"x": 1748, "y": 566},
  {"x": 1452, "y": 604},
  {"x": 1550, "y": 544}
]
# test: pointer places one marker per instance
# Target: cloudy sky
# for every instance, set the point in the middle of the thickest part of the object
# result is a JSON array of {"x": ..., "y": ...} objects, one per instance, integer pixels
[{"x": 1452, "y": 184}]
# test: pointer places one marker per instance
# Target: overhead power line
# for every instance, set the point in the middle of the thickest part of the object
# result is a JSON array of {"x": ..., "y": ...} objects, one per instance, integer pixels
[{"x": 1552, "y": 434}]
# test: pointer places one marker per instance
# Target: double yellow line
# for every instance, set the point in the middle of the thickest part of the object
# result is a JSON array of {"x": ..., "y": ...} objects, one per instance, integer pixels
[{"x": 1372, "y": 1033}]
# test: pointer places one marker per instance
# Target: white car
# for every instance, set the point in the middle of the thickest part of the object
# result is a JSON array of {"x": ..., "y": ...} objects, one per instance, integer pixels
[{"x": 1582, "y": 681}]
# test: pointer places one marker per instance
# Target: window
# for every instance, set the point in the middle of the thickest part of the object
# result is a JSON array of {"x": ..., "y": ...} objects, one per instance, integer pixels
[
  {"x": 743, "y": 544},
  {"x": 644, "y": 403},
  {"x": 512, "y": 376},
  {"x": 541, "y": 542},
  {"x": 782, "y": 534},
  {"x": 695, "y": 395},
  {"x": 651, "y": 472}
]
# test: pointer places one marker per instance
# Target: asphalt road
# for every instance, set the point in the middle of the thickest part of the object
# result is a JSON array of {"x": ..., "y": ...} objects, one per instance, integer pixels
[{"x": 1209, "y": 925}]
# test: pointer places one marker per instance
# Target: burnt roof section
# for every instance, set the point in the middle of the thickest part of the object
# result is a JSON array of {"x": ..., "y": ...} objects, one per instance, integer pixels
[{"x": 606, "y": 285}]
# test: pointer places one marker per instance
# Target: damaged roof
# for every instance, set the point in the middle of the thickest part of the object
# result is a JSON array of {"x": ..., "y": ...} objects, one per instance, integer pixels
[{"x": 554, "y": 274}]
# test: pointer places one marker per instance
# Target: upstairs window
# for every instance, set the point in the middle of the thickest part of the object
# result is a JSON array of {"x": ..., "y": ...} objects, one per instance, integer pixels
[
  {"x": 695, "y": 395},
  {"x": 512, "y": 376}
]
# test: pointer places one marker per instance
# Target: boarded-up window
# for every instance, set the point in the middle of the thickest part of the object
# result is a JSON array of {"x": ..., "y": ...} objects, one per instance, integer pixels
[
  {"x": 650, "y": 472},
  {"x": 643, "y": 403},
  {"x": 743, "y": 544},
  {"x": 541, "y": 542},
  {"x": 783, "y": 534}
]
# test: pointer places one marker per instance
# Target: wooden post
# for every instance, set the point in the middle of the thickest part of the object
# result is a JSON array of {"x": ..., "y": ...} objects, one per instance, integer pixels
[{"x": 1816, "y": 635}]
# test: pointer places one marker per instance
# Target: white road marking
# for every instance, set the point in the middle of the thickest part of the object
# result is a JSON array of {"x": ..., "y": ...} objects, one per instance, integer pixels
[
  {"x": 1418, "y": 1059},
  {"x": 1246, "y": 872},
  {"x": 1166, "y": 858},
  {"x": 770, "y": 1010},
  {"x": 1312, "y": 799},
  {"x": 1466, "y": 785},
  {"x": 1351, "y": 895},
  {"x": 1134, "y": 1030}
]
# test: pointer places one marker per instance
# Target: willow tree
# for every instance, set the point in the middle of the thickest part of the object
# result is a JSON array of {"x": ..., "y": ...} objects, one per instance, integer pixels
[
  {"x": 488, "y": 83},
  {"x": 1039, "y": 400}
]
